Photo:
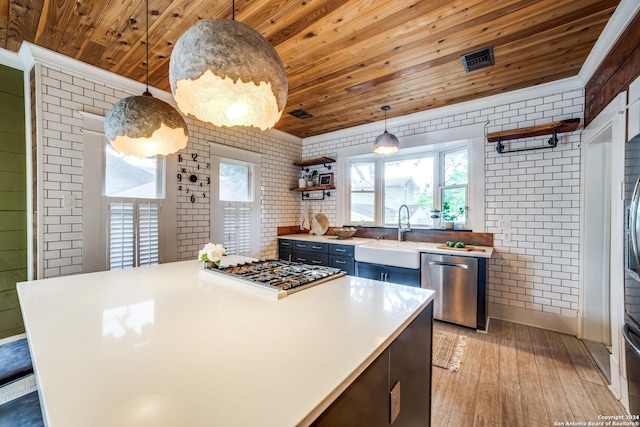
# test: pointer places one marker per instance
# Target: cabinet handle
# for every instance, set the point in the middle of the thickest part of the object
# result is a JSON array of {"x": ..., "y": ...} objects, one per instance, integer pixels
[
  {"x": 340, "y": 250},
  {"x": 285, "y": 244},
  {"x": 302, "y": 259},
  {"x": 315, "y": 261},
  {"x": 340, "y": 262},
  {"x": 316, "y": 247},
  {"x": 301, "y": 245}
]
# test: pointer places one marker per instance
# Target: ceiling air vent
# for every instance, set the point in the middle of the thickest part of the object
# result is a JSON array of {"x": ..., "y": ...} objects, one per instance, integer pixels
[
  {"x": 300, "y": 114},
  {"x": 479, "y": 59}
]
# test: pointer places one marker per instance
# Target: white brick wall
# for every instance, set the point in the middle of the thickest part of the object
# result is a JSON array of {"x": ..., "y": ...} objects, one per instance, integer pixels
[
  {"x": 65, "y": 92},
  {"x": 536, "y": 264}
]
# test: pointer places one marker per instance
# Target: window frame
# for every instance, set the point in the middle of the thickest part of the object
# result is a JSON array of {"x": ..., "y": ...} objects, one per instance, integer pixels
[
  {"x": 94, "y": 204},
  {"x": 216, "y": 227},
  {"x": 473, "y": 135},
  {"x": 436, "y": 152}
]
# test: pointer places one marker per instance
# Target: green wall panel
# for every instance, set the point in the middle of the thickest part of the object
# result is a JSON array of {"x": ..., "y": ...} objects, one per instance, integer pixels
[
  {"x": 13, "y": 221},
  {"x": 13, "y": 198},
  {"x": 12, "y": 142},
  {"x": 12, "y": 81},
  {"x": 8, "y": 279}
]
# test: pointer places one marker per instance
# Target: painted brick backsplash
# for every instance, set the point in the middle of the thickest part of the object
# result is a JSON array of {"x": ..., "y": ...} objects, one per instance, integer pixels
[
  {"x": 63, "y": 94},
  {"x": 536, "y": 261}
]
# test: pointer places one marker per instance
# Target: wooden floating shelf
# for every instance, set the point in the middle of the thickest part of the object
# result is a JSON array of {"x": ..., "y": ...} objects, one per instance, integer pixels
[
  {"x": 316, "y": 161},
  {"x": 316, "y": 188},
  {"x": 561, "y": 126}
]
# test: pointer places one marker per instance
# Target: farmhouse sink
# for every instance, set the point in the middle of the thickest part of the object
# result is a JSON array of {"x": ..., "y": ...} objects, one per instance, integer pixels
[{"x": 388, "y": 252}]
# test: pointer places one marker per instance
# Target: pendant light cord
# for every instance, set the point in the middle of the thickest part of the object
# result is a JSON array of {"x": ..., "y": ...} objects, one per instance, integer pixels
[
  {"x": 233, "y": 10},
  {"x": 147, "y": 44}
]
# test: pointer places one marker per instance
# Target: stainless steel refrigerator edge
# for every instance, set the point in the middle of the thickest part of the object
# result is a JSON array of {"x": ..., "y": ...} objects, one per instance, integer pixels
[{"x": 631, "y": 328}]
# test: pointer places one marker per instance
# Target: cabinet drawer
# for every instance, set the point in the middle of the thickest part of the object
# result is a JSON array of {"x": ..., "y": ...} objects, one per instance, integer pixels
[
  {"x": 344, "y": 263},
  {"x": 312, "y": 258},
  {"x": 342, "y": 250},
  {"x": 301, "y": 245},
  {"x": 285, "y": 244}
]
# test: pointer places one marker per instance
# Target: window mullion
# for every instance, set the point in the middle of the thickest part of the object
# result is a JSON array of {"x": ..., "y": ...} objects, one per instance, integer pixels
[{"x": 379, "y": 193}]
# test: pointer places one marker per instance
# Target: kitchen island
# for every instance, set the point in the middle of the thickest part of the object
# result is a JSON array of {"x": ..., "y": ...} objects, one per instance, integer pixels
[{"x": 162, "y": 346}]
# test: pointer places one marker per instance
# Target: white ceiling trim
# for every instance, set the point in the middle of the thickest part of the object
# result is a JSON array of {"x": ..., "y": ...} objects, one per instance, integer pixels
[{"x": 11, "y": 59}]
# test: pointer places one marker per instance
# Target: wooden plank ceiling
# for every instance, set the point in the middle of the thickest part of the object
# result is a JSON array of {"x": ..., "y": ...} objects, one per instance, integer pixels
[{"x": 344, "y": 58}]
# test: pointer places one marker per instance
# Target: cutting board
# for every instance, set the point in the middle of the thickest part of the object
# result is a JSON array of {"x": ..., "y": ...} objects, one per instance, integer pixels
[{"x": 465, "y": 249}]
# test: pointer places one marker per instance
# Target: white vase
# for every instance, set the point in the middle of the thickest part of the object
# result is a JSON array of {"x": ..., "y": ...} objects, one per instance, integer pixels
[
  {"x": 309, "y": 183},
  {"x": 302, "y": 182}
]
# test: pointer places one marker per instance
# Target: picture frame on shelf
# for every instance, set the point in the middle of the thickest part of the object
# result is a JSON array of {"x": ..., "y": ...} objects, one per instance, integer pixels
[{"x": 326, "y": 179}]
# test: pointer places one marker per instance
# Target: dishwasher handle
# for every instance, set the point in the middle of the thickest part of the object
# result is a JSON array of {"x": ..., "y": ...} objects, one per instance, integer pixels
[
  {"x": 449, "y": 264},
  {"x": 626, "y": 331}
]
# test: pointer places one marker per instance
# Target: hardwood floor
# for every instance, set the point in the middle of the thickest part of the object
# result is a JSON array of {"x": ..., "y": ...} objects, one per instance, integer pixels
[{"x": 518, "y": 375}]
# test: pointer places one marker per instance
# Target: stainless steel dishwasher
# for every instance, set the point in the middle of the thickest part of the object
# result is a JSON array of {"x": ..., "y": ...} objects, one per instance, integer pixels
[{"x": 455, "y": 280}]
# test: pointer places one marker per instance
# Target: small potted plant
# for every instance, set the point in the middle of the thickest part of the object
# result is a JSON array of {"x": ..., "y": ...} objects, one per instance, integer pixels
[
  {"x": 312, "y": 178},
  {"x": 449, "y": 216}
]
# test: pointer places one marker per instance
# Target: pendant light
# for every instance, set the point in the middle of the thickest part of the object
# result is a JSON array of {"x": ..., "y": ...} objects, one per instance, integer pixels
[
  {"x": 224, "y": 72},
  {"x": 144, "y": 126},
  {"x": 387, "y": 143}
]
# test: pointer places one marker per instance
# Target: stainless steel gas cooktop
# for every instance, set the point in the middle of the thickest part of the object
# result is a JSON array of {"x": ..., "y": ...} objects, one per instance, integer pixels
[{"x": 283, "y": 275}]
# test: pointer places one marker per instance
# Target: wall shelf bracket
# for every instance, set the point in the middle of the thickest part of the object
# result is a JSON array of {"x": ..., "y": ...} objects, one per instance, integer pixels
[
  {"x": 324, "y": 161},
  {"x": 552, "y": 143},
  {"x": 307, "y": 195}
]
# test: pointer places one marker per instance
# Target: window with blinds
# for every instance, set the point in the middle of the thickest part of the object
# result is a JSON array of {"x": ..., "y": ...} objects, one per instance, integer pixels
[
  {"x": 133, "y": 233},
  {"x": 237, "y": 228}
]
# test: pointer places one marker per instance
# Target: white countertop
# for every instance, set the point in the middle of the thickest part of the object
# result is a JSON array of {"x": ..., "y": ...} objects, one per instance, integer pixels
[
  {"x": 479, "y": 252},
  {"x": 158, "y": 346}
]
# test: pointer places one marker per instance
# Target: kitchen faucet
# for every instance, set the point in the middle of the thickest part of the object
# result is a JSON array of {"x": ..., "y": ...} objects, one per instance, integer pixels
[{"x": 402, "y": 229}]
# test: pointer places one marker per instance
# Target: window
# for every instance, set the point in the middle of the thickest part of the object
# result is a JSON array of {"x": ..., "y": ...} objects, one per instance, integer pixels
[
  {"x": 422, "y": 181},
  {"x": 131, "y": 189},
  {"x": 236, "y": 191},
  {"x": 453, "y": 187},
  {"x": 236, "y": 199}
]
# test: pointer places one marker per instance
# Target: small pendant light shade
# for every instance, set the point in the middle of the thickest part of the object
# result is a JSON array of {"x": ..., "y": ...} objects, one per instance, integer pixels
[
  {"x": 144, "y": 126},
  {"x": 225, "y": 73},
  {"x": 386, "y": 143}
]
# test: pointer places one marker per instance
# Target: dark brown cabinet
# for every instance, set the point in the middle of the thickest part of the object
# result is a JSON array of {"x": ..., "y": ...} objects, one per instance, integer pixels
[{"x": 367, "y": 401}]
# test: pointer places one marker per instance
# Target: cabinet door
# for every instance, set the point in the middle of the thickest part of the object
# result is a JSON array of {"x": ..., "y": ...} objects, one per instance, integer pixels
[
  {"x": 285, "y": 249},
  {"x": 411, "y": 365},
  {"x": 385, "y": 273},
  {"x": 365, "y": 402},
  {"x": 344, "y": 263},
  {"x": 403, "y": 276},
  {"x": 370, "y": 271}
]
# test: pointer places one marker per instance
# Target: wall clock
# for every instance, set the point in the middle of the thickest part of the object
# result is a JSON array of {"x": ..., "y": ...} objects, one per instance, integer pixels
[{"x": 193, "y": 176}]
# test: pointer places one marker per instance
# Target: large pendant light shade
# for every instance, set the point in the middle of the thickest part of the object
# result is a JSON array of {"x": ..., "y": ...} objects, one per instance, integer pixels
[
  {"x": 225, "y": 73},
  {"x": 144, "y": 126},
  {"x": 387, "y": 143}
]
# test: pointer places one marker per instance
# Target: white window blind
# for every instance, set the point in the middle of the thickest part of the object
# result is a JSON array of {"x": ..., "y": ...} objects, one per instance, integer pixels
[
  {"x": 237, "y": 228},
  {"x": 133, "y": 233},
  {"x": 148, "y": 233}
]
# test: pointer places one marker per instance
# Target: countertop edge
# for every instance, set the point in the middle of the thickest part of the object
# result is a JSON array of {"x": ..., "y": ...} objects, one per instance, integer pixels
[{"x": 487, "y": 251}]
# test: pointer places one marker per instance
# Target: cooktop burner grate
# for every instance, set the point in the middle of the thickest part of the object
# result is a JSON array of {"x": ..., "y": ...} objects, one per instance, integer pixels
[{"x": 287, "y": 276}]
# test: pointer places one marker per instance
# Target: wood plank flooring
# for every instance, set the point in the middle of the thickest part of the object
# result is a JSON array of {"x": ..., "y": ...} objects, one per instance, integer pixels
[{"x": 518, "y": 375}]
